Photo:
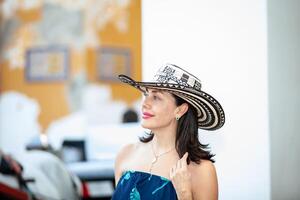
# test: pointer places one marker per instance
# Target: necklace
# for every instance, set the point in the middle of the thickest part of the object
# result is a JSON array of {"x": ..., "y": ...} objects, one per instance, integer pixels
[{"x": 157, "y": 156}]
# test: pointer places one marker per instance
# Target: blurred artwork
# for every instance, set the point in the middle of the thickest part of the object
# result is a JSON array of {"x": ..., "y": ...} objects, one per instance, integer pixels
[
  {"x": 60, "y": 25},
  {"x": 47, "y": 64},
  {"x": 75, "y": 24},
  {"x": 113, "y": 61},
  {"x": 7, "y": 29}
]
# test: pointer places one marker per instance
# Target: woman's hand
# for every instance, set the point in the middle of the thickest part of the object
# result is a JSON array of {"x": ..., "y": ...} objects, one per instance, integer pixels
[{"x": 181, "y": 179}]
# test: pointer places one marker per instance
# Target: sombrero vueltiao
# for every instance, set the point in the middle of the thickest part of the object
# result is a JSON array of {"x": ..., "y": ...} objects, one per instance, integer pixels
[{"x": 179, "y": 82}]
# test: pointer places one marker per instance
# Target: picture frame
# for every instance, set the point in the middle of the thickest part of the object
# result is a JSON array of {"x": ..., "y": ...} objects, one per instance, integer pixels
[
  {"x": 50, "y": 63},
  {"x": 112, "y": 61}
]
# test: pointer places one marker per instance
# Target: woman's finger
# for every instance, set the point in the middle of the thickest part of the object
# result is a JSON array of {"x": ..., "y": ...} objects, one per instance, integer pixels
[
  {"x": 178, "y": 165},
  {"x": 172, "y": 172},
  {"x": 183, "y": 160}
]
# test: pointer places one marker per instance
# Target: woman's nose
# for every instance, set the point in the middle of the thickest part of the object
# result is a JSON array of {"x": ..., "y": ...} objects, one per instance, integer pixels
[{"x": 146, "y": 102}]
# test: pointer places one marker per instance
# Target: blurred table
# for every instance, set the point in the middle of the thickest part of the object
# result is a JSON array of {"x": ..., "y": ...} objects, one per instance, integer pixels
[{"x": 96, "y": 176}]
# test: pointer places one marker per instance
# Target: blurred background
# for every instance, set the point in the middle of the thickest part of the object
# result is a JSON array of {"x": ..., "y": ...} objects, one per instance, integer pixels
[{"x": 64, "y": 115}]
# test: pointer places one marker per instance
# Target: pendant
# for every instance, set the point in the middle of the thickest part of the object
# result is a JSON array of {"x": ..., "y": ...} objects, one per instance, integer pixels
[{"x": 154, "y": 160}]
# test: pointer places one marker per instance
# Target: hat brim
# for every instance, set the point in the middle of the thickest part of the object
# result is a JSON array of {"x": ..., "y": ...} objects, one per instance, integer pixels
[{"x": 210, "y": 113}]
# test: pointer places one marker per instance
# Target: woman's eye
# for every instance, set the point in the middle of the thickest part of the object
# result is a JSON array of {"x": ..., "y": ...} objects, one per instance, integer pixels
[
  {"x": 145, "y": 94},
  {"x": 156, "y": 97}
]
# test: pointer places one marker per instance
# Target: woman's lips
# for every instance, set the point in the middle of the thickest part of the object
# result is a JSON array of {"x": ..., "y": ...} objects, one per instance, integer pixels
[{"x": 147, "y": 115}]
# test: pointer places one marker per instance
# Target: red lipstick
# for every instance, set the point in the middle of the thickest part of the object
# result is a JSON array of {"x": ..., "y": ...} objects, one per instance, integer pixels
[{"x": 147, "y": 115}]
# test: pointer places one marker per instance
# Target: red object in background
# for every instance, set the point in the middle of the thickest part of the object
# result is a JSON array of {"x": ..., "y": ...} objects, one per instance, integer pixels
[
  {"x": 12, "y": 193},
  {"x": 85, "y": 191}
]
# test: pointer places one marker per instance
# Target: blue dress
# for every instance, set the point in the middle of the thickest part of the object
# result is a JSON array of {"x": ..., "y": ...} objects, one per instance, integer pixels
[{"x": 136, "y": 185}]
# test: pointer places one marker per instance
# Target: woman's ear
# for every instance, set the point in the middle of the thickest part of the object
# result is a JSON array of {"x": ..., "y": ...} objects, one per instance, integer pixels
[{"x": 182, "y": 109}]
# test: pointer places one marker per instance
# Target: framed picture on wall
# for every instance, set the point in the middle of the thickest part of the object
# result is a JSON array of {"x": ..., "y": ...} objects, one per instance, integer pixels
[
  {"x": 112, "y": 61},
  {"x": 49, "y": 63}
]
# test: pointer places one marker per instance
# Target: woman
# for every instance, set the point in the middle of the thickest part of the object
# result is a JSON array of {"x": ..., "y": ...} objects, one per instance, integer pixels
[{"x": 170, "y": 162}]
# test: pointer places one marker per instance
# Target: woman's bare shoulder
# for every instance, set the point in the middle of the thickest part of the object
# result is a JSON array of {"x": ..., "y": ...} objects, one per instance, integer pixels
[
  {"x": 205, "y": 170},
  {"x": 204, "y": 179},
  {"x": 120, "y": 161},
  {"x": 126, "y": 150},
  {"x": 204, "y": 166}
]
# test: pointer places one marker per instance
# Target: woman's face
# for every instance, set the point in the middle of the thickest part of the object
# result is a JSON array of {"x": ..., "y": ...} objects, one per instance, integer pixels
[{"x": 158, "y": 109}]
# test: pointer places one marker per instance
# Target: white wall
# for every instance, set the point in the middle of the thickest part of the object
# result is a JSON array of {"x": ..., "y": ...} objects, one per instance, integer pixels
[
  {"x": 284, "y": 92},
  {"x": 224, "y": 44}
]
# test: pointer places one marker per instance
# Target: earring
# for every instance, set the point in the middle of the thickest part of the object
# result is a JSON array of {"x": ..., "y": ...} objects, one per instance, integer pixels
[{"x": 177, "y": 118}]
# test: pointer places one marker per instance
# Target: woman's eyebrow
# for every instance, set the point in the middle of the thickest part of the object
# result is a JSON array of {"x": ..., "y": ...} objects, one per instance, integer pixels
[{"x": 157, "y": 91}]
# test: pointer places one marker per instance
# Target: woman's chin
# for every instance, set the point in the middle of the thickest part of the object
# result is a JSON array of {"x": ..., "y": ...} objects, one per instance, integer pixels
[{"x": 146, "y": 125}]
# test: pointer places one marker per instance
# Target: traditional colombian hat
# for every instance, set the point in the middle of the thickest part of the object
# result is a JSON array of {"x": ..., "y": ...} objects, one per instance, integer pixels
[{"x": 179, "y": 82}]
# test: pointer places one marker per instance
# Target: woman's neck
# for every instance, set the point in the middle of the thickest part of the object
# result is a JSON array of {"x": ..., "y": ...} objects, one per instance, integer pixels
[{"x": 164, "y": 140}]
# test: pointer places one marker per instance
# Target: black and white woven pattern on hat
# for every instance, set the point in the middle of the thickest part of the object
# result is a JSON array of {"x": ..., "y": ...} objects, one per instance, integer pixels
[{"x": 174, "y": 74}]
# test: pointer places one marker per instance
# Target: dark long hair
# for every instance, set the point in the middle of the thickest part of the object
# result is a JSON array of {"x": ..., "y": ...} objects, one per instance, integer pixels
[{"x": 187, "y": 136}]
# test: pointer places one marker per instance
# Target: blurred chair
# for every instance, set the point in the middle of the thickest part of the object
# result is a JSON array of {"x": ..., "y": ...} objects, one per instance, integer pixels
[
  {"x": 73, "y": 151},
  {"x": 130, "y": 116}
]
